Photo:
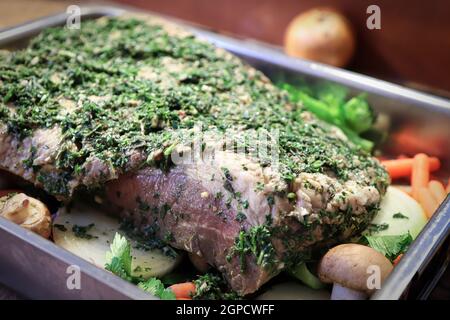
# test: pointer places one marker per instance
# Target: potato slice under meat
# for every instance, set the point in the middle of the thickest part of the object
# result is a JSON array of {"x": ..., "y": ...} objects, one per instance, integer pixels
[
  {"x": 400, "y": 213},
  {"x": 88, "y": 233}
]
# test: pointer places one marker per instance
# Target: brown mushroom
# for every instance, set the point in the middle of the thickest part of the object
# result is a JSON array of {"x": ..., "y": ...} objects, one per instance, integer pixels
[
  {"x": 348, "y": 267},
  {"x": 27, "y": 212}
]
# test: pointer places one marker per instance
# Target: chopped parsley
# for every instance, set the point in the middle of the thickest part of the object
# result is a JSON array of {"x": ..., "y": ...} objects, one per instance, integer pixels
[
  {"x": 129, "y": 102},
  {"x": 374, "y": 227},
  {"x": 82, "y": 231},
  {"x": 60, "y": 227},
  {"x": 212, "y": 286},
  {"x": 147, "y": 238},
  {"x": 399, "y": 215},
  {"x": 256, "y": 242},
  {"x": 131, "y": 111},
  {"x": 240, "y": 217}
]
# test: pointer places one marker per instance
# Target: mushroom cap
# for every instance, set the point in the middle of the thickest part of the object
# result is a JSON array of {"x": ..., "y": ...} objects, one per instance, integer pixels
[
  {"x": 27, "y": 212},
  {"x": 349, "y": 265}
]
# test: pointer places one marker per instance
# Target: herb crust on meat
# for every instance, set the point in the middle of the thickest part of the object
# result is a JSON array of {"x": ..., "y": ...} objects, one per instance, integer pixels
[{"x": 102, "y": 108}]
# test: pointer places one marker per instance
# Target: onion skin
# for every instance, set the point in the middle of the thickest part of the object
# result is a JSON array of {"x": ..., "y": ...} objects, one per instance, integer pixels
[{"x": 321, "y": 34}]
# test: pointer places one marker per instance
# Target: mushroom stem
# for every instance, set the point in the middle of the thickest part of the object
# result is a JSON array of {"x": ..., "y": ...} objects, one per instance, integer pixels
[
  {"x": 347, "y": 265},
  {"x": 343, "y": 293}
]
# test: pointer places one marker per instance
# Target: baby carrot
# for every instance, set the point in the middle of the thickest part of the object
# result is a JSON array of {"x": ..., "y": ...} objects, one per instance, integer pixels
[
  {"x": 399, "y": 168},
  {"x": 420, "y": 174},
  {"x": 427, "y": 201},
  {"x": 397, "y": 260},
  {"x": 183, "y": 290},
  {"x": 437, "y": 191}
]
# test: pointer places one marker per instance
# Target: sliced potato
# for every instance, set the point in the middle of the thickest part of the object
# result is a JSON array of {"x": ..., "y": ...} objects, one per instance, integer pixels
[
  {"x": 88, "y": 233},
  {"x": 293, "y": 291},
  {"x": 394, "y": 202}
]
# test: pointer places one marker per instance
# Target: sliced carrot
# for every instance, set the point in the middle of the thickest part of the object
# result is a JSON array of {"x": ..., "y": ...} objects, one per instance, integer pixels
[
  {"x": 437, "y": 191},
  {"x": 399, "y": 168},
  {"x": 420, "y": 174},
  {"x": 427, "y": 201},
  {"x": 397, "y": 260},
  {"x": 184, "y": 298},
  {"x": 448, "y": 186},
  {"x": 183, "y": 290}
]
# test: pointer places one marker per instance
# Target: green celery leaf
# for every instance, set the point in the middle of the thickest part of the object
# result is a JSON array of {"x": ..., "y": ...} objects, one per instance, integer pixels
[
  {"x": 390, "y": 246},
  {"x": 118, "y": 260},
  {"x": 156, "y": 288}
]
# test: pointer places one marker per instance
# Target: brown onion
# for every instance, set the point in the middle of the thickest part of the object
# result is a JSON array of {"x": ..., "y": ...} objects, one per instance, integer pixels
[{"x": 322, "y": 35}]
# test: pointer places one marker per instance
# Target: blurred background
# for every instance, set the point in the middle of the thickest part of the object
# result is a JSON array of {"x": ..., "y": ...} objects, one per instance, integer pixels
[{"x": 412, "y": 47}]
